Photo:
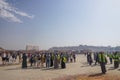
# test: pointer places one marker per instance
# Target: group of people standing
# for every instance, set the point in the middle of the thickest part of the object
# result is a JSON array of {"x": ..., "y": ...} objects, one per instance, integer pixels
[
  {"x": 8, "y": 57},
  {"x": 41, "y": 60},
  {"x": 101, "y": 58}
]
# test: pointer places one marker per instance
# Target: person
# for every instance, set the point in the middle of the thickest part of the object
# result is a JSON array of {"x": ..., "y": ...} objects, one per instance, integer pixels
[
  {"x": 47, "y": 60},
  {"x": 20, "y": 57},
  {"x": 7, "y": 57},
  {"x": 74, "y": 57},
  {"x": 13, "y": 56},
  {"x": 24, "y": 62},
  {"x": 63, "y": 62},
  {"x": 51, "y": 59},
  {"x": 58, "y": 58},
  {"x": 35, "y": 60},
  {"x": 56, "y": 61},
  {"x": 116, "y": 60},
  {"x": 42, "y": 60},
  {"x": 38, "y": 61},
  {"x": 89, "y": 57},
  {"x": 4, "y": 58},
  {"x": 71, "y": 58},
  {"x": 31, "y": 60},
  {"x": 103, "y": 62},
  {"x": 110, "y": 57},
  {"x": 96, "y": 57},
  {"x": 11, "y": 59}
]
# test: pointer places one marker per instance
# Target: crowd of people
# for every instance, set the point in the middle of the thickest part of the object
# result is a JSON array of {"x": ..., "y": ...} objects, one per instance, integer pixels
[
  {"x": 58, "y": 59},
  {"x": 48, "y": 59},
  {"x": 101, "y": 58},
  {"x": 39, "y": 59},
  {"x": 9, "y": 57}
]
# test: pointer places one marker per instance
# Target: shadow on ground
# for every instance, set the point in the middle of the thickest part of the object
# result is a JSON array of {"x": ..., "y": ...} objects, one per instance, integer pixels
[
  {"x": 33, "y": 68},
  {"x": 51, "y": 68},
  {"x": 96, "y": 75},
  {"x": 111, "y": 68},
  {"x": 19, "y": 68},
  {"x": 1, "y": 65}
]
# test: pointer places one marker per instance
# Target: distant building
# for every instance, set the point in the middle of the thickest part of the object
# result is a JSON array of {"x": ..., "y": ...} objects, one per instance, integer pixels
[{"x": 32, "y": 48}]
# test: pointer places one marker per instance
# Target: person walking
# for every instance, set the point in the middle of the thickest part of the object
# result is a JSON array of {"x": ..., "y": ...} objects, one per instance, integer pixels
[{"x": 102, "y": 61}]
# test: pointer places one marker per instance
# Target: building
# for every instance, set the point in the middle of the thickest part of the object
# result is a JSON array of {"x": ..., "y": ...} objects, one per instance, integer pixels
[{"x": 32, "y": 48}]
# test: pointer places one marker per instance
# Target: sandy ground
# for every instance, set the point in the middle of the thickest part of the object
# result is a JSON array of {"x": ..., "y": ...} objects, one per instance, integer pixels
[{"x": 74, "y": 71}]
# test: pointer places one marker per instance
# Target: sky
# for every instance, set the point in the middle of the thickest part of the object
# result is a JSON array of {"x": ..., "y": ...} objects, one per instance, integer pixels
[{"x": 58, "y": 23}]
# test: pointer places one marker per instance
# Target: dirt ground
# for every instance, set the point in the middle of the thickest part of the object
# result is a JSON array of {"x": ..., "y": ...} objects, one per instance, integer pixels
[{"x": 90, "y": 77}]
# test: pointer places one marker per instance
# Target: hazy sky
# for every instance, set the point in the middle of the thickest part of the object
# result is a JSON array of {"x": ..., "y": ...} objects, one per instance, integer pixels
[{"x": 48, "y": 23}]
